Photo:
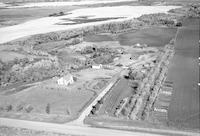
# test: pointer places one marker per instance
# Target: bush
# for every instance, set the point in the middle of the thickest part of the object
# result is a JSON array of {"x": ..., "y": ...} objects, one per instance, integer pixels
[
  {"x": 124, "y": 112},
  {"x": 19, "y": 107},
  {"x": 28, "y": 108},
  {"x": 8, "y": 108}
]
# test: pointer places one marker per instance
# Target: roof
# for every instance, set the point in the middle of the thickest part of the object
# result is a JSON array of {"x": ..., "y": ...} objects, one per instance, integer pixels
[
  {"x": 97, "y": 65},
  {"x": 67, "y": 77}
]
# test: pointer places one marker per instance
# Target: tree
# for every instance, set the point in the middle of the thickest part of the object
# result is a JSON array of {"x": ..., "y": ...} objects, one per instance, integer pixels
[
  {"x": 9, "y": 108},
  {"x": 28, "y": 108},
  {"x": 19, "y": 107},
  {"x": 48, "y": 108}
]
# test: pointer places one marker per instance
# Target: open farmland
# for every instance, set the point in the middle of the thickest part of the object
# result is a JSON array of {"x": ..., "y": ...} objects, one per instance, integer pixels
[
  {"x": 155, "y": 37},
  {"x": 137, "y": 100},
  {"x": 184, "y": 73}
]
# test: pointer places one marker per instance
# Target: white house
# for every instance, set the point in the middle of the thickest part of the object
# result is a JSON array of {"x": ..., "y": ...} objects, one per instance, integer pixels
[
  {"x": 66, "y": 80},
  {"x": 97, "y": 66}
]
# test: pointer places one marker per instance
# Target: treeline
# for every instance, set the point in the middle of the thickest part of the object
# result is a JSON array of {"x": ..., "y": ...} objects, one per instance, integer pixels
[
  {"x": 194, "y": 10},
  {"x": 160, "y": 19},
  {"x": 111, "y": 27}
]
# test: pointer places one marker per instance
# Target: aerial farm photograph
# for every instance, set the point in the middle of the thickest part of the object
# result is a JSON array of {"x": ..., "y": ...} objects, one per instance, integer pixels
[{"x": 99, "y": 67}]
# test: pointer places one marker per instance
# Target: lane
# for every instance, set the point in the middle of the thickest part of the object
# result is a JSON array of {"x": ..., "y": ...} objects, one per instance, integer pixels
[
  {"x": 86, "y": 112},
  {"x": 184, "y": 73}
]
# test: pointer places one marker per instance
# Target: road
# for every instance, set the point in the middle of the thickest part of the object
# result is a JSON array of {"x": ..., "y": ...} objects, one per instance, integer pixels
[
  {"x": 76, "y": 127},
  {"x": 68, "y": 129},
  {"x": 86, "y": 112}
]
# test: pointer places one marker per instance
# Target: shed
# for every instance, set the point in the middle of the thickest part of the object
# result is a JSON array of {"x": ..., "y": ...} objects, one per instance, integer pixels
[
  {"x": 97, "y": 66},
  {"x": 66, "y": 80}
]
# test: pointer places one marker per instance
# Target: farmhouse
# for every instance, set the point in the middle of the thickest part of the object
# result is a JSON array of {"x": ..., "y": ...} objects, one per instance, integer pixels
[
  {"x": 99, "y": 66},
  {"x": 66, "y": 80}
]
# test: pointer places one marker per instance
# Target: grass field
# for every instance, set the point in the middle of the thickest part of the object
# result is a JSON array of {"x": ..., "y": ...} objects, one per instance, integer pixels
[
  {"x": 97, "y": 38},
  {"x": 6, "y": 56},
  {"x": 158, "y": 37},
  {"x": 10, "y": 131},
  {"x": 68, "y": 102}
]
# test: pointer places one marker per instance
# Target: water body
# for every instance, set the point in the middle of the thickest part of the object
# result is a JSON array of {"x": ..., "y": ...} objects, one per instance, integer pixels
[{"x": 184, "y": 108}]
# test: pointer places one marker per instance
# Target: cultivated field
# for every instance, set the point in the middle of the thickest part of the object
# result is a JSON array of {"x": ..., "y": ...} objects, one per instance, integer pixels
[{"x": 184, "y": 73}]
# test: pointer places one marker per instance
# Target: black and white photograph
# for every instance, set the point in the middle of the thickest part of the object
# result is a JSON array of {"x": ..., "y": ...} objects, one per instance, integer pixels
[{"x": 99, "y": 67}]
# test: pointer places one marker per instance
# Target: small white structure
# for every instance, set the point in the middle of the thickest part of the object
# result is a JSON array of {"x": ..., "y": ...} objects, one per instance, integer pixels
[
  {"x": 116, "y": 59},
  {"x": 66, "y": 80},
  {"x": 99, "y": 66}
]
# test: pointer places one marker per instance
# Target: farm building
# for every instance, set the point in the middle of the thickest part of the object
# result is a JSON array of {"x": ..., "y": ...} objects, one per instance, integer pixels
[
  {"x": 66, "y": 80},
  {"x": 99, "y": 66}
]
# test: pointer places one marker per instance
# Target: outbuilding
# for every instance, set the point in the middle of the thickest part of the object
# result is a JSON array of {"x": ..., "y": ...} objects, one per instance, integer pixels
[
  {"x": 66, "y": 80},
  {"x": 97, "y": 66}
]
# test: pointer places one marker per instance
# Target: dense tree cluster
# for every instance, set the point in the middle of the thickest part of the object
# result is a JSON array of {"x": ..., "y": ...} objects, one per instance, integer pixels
[
  {"x": 100, "y": 55},
  {"x": 159, "y": 19},
  {"x": 194, "y": 10},
  {"x": 26, "y": 71},
  {"x": 136, "y": 75}
]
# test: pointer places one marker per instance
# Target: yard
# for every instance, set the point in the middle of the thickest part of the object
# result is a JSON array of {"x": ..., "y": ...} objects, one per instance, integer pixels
[{"x": 47, "y": 99}]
